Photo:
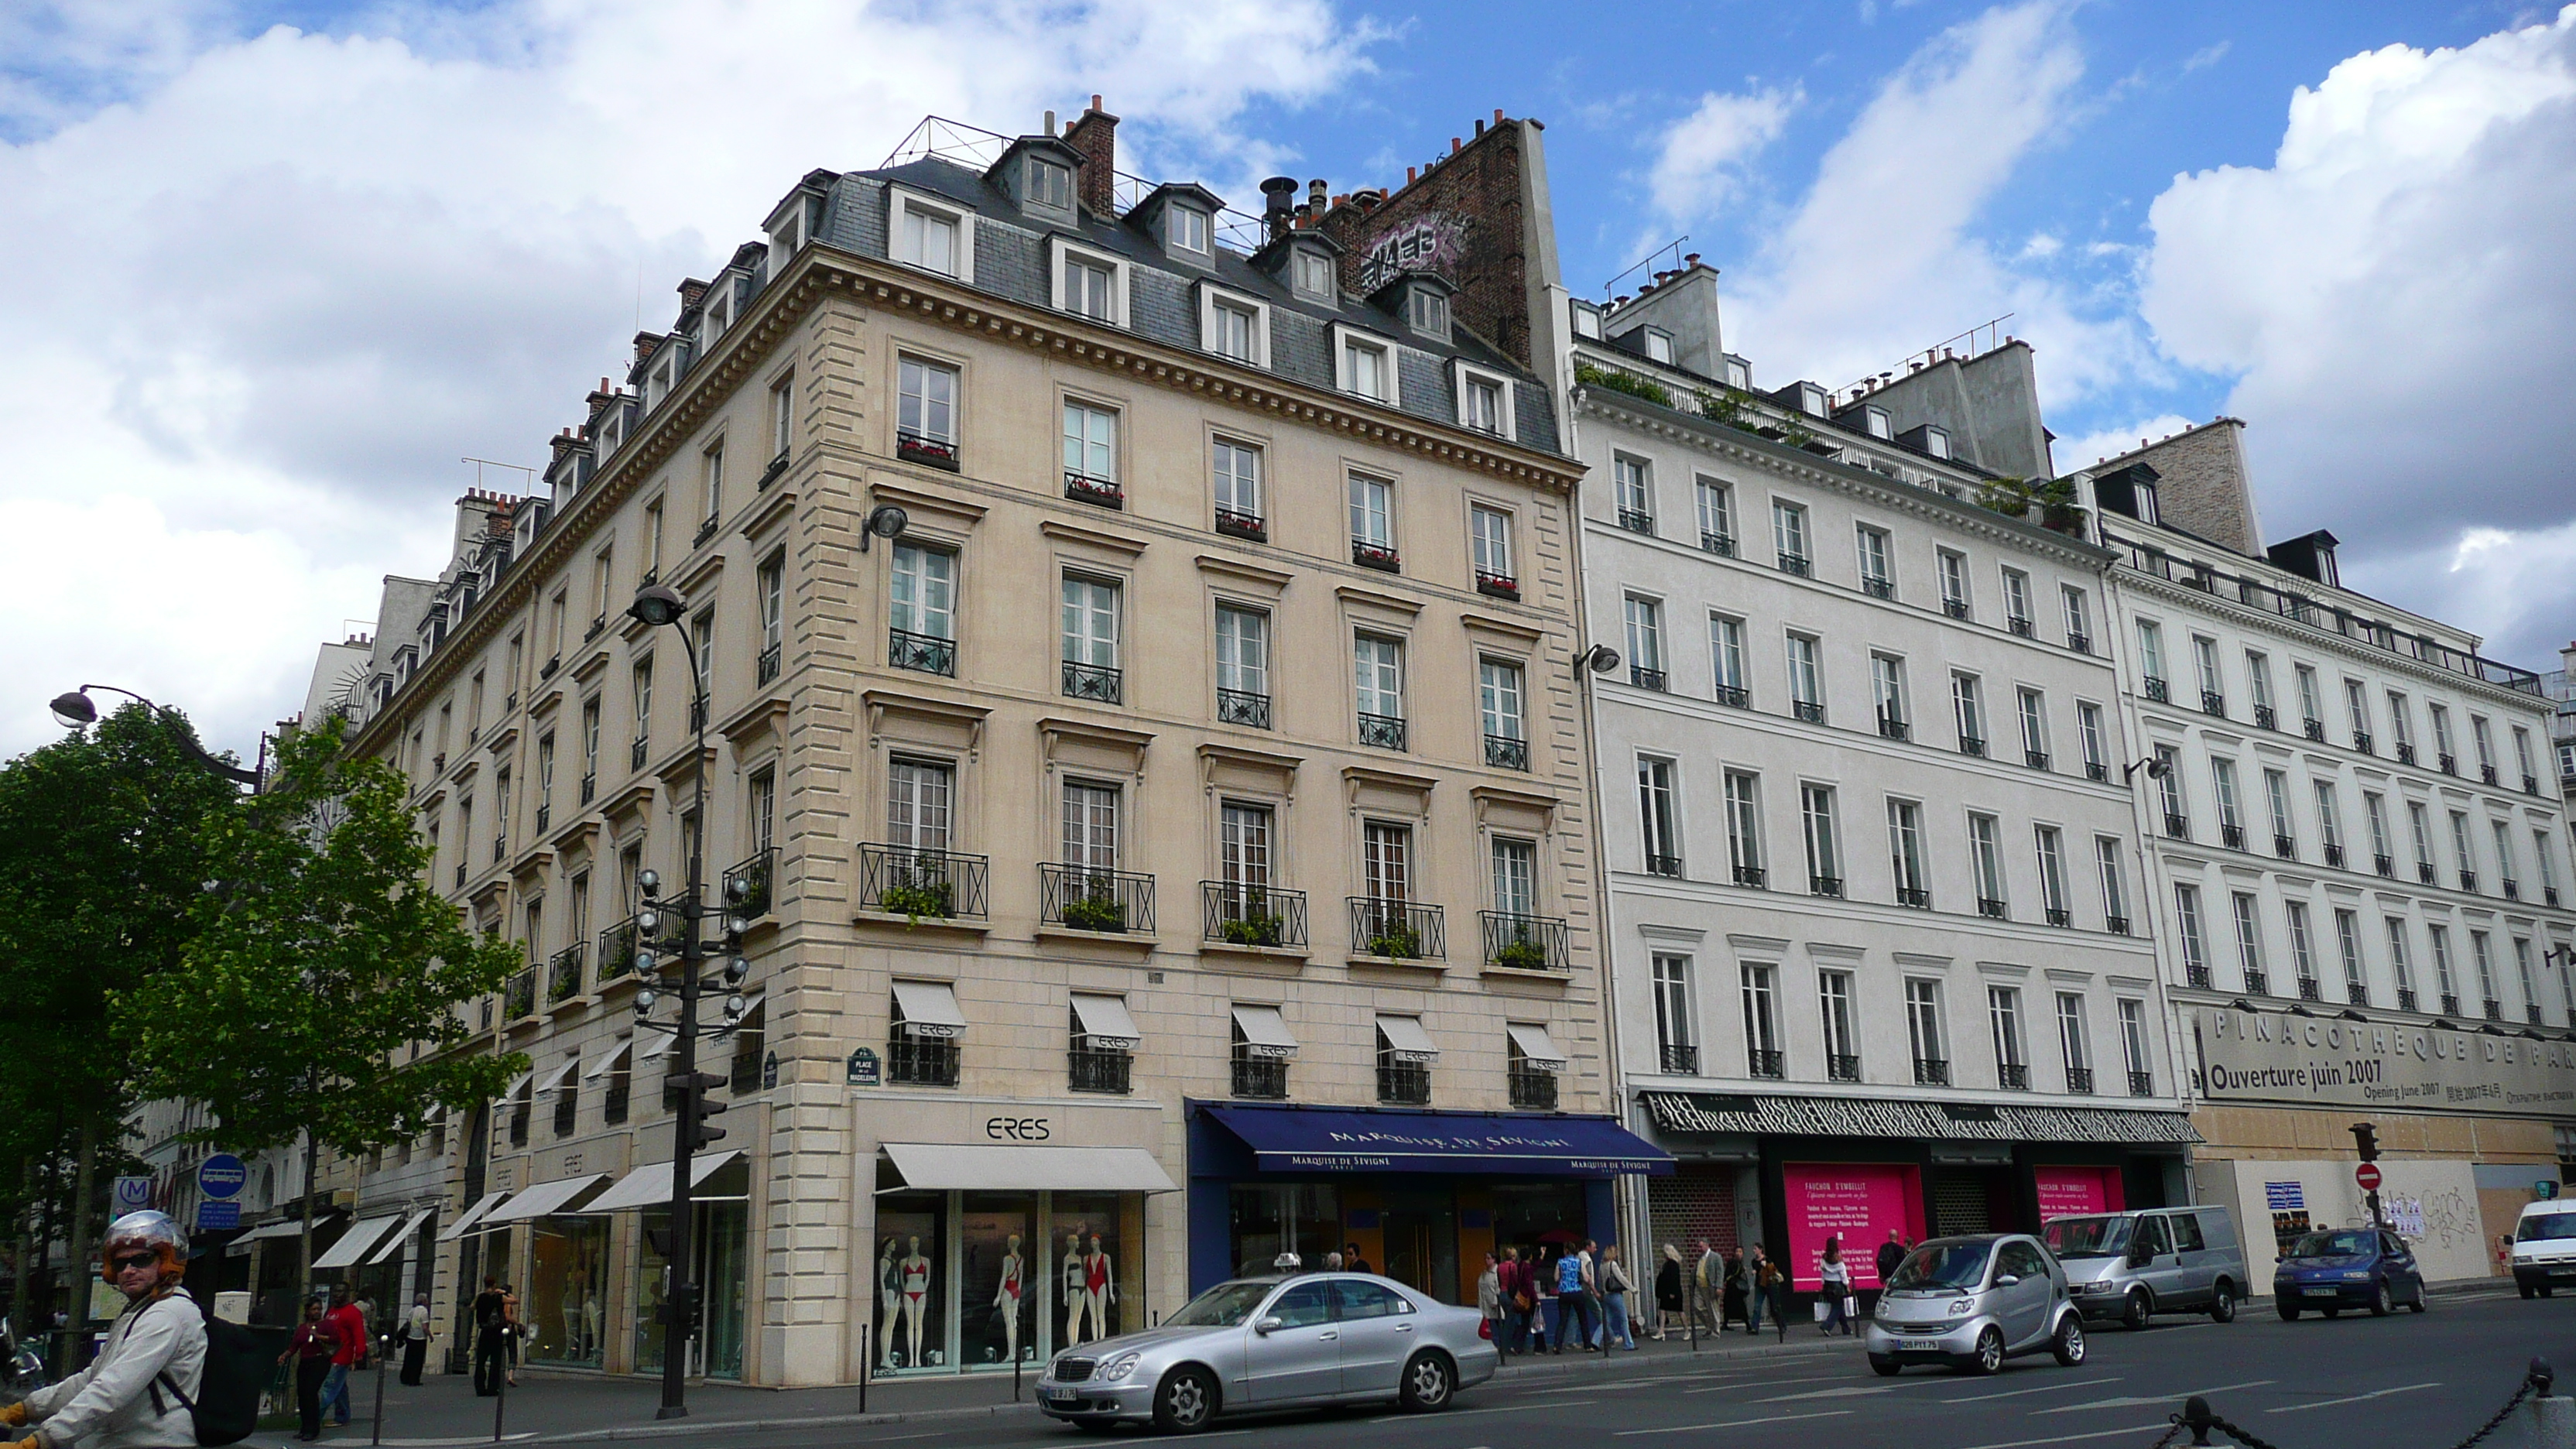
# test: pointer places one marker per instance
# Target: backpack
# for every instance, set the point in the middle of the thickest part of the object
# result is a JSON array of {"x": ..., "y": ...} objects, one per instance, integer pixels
[{"x": 238, "y": 1371}]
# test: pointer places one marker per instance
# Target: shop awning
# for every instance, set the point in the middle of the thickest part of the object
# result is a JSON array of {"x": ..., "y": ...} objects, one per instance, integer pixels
[
  {"x": 392, "y": 1245},
  {"x": 465, "y": 1224},
  {"x": 353, "y": 1244},
  {"x": 1499, "y": 1143},
  {"x": 1410, "y": 1042},
  {"x": 929, "y": 1008},
  {"x": 1701, "y": 1114},
  {"x": 1105, "y": 1020},
  {"x": 975, "y": 1167},
  {"x": 240, "y": 1247},
  {"x": 545, "y": 1198},
  {"x": 555, "y": 1078},
  {"x": 1537, "y": 1046},
  {"x": 517, "y": 1085},
  {"x": 1265, "y": 1032},
  {"x": 650, "y": 1185},
  {"x": 664, "y": 1038},
  {"x": 616, "y": 1058}
]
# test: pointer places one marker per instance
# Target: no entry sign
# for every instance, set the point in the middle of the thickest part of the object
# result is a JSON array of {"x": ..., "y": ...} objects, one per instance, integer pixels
[{"x": 2367, "y": 1174}]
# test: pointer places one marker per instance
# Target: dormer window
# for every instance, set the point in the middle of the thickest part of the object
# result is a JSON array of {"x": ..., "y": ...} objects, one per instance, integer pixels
[
  {"x": 1428, "y": 312},
  {"x": 1233, "y": 326},
  {"x": 932, "y": 237},
  {"x": 788, "y": 239},
  {"x": 659, "y": 384},
  {"x": 1090, "y": 284},
  {"x": 719, "y": 309},
  {"x": 1874, "y": 420},
  {"x": 1365, "y": 366},
  {"x": 1936, "y": 442},
  {"x": 1312, "y": 275},
  {"x": 1659, "y": 345},
  {"x": 1188, "y": 230},
  {"x": 1050, "y": 184},
  {"x": 1587, "y": 320},
  {"x": 1484, "y": 401},
  {"x": 1739, "y": 374}
]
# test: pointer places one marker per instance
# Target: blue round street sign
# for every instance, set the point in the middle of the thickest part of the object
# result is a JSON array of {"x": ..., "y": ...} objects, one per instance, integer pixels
[{"x": 222, "y": 1176}]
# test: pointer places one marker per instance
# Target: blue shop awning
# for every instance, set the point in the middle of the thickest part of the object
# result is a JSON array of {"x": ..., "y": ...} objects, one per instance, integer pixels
[{"x": 1324, "y": 1139}]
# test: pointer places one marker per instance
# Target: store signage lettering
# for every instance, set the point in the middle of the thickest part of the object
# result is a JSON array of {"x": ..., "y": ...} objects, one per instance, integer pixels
[
  {"x": 2251, "y": 1056},
  {"x": 1018, "y": 1129}
]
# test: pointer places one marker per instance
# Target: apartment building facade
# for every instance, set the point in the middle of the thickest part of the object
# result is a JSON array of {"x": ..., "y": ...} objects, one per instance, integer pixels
[
  {"x": 1142, "y": 716},
  {"x": 2360, "y": 861},
  {"x": 1872, "y": 868}
]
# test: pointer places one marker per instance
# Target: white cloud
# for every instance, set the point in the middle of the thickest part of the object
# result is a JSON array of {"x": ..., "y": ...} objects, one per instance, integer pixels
[
  {"x": 271, "y": 287},
  {"x": 2206, "y": 56},
  {"x": 2041, "y": 247},
  {"x": 1702, "y": 164},
  {"x": 2083, "y": 452},
  {"x": 2393, "y": 299},
  {"x": 2517, "y": 588}
]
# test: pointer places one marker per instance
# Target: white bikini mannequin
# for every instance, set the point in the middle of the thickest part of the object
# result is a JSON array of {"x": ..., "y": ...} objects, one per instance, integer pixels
[{"x": 1070, "y": 1274}]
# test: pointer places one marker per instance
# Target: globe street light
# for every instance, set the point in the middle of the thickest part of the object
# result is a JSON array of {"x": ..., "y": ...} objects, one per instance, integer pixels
[{"x": 77, "y": 710}]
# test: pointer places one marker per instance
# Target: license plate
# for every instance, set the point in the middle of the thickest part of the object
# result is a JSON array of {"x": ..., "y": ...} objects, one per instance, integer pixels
[
  {"x": 1064, "y": 1396},
  {"x": 2319, "y": 1292}
]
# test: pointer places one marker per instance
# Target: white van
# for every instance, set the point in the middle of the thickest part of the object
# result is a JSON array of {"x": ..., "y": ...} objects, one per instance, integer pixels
[
  {"x": 2131, "y": 1265},
  {"x": 2544, "y": 1247}
]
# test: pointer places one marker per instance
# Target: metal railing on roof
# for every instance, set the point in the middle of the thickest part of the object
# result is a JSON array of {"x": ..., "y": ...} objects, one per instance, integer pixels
[{"x": 937, "y": 137}]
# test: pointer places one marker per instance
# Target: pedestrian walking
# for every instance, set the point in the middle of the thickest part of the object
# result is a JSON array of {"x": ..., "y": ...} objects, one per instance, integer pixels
[
  {"x": 1616, "y": 1289},
  {"x": 415, "y": 1339},
  {"x": 490, "y": 1326},
  {"x": 117, "y": 1403},
  {"x": 1890, "y": 1254},
  {"x": 1836, "y": 1289},
  {"x": 314, "y": 1345},
  {"x": 348, "y": 1325},
  {"x": 1707, "y": 1284},
  {"x": 510, "y": 1330},
  {"x": 1756, "y": 1278},
  {"x": 1730, "y": 1308},
  {"x": 1489, "y": 1298},
  {"x": 1352, "y": 1262},
  {"x": 1547, "y": 1323},
  {"x": 1774, "y": 1294},
  {"x": 1575, "y": 1318},
  {"x": 1668, "y": 1293}
]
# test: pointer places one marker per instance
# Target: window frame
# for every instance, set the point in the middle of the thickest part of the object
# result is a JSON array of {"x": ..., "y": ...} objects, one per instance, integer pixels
[
  {"x": 1063, "y": 256},
  {"x": 901, "y": 204},
  {"x": 1213, "y": 299},
  {"x": 1345, "y": 338},
  {"x": 1464, "y": 377}
]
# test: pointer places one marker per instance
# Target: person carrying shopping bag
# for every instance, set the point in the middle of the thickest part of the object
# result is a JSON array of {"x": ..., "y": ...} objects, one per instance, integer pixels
[
  {"x": 1616, "y": 1289},
  {"x": 1489, "y": 1299},
  {"x": 1668, "y": 1292},
  {"x": 1772, "y": 1292},
  {"x": 1575, "y": 1316},
  {"x": 1836, "y": 1294},
  {"x": 1755, "y": 1282}
]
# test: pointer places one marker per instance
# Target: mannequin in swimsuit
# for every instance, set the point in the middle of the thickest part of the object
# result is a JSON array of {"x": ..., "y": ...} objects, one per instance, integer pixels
[
  {"x": 1099, "y": 1287},
  {"x": 915, "y": 1271},
  {"x": 1006, "y": 1299},
  {"x": 1073, "y": 1294},
  {"x": 890, "y": 1300}
]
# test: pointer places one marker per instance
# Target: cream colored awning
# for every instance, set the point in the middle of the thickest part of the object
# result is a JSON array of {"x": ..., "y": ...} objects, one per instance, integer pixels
[
  {"x": 929, "y": 1008},
  {"x": 1105, "y": 1020},
  {"x": 392, "y": 1246},
  {"x": 546, "y": 1198},
  {"x": 1265, "y": 1032},
  {"x": 1410, "y": 1042},
  {"x": 555, "y": 1078},
  {"x": 1536, "y": 1045},
  {"x": 616, "y": 1055},
  {"x": 353, "y": 1244},
  {"x": 650, "y": 1185},
  {"x": 960, "y": 1167},
  {"x": 482, "y": 1208}
]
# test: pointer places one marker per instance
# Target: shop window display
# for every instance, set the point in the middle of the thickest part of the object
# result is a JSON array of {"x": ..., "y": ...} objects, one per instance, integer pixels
[
  {"x": 722, "y": 1229},
  {"x": 1268, "y": 1219},
  {"x": 998, "y": 1278},
  {"x": 567, "y": 1297},
  {"x": 1088, "y": 1266},
  {"x": 912, "y": 1289}
]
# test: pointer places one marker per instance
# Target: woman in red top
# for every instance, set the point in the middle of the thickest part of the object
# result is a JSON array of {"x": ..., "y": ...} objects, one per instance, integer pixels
[{"x": 315, "y": 1344}]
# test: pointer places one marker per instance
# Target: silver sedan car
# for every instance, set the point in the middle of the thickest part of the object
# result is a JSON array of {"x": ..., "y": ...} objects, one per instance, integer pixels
[
  {"x": 1253, "y": 1344},
  {"x": 1973, "y": 1302}
]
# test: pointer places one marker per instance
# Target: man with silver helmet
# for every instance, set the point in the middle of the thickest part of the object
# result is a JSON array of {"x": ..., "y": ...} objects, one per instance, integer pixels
[{"x": 118, "y": 1401}]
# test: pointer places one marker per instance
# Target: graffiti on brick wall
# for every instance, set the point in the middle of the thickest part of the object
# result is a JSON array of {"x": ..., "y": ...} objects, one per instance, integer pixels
[{"x": 1434, "y": 241}]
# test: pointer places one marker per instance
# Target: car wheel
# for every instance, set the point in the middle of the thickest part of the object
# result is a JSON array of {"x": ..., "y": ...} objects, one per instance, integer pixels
[
  {"x": 1886, "y": 1368},
  {"x": 2289, "y": 1310},
  {"x": 1427, "y": 1384},
  {"x": 2417, "y": 1304},
  {"x": 2380, "y": 1306},
  {"x": 1989, "y": 1355},
  {"x": 2135, "y": 1311},
  {"x": 2069, "y": 1343},
  {"x": 2222, "y": 1304},
  {"x": 1185, "y": 1402}
]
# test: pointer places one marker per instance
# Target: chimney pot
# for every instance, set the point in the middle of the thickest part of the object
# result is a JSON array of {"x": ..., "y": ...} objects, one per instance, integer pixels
[
  {"x": 1453, "y": 145},
  {"x": 1480, "y": 127},
  {"x": 1411, "y": 174},
  {"x": 1050, "y": 123},
  {"x": 1095, "y": 102},
  {"x": 1691, "y": 257},
  {"x": 1498, "y": 115}
]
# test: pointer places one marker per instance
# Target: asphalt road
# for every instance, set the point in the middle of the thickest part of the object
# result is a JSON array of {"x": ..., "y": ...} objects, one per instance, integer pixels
[{"x": 2421, "y": 1382}]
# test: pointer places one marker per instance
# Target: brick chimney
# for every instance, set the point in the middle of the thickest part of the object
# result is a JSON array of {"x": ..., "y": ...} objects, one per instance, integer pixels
[{"x": 1094, "y": 133}]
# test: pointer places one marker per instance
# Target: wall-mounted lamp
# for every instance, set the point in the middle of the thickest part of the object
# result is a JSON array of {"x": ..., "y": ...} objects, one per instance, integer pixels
[
  {"x": 1600, "y": 659},
  {"x": 884, "y": 521}
]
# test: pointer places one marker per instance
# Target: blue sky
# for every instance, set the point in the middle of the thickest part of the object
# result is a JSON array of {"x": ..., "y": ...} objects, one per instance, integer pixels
[{"x": 290, "y": 264}]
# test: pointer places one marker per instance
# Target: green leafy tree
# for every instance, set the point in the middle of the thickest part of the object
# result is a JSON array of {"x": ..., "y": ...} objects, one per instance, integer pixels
[
  {"x": 319, "y": 998},
  {"x": 102, "y": 860}
]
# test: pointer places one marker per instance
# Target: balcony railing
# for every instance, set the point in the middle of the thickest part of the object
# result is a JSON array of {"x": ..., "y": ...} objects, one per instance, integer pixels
[
  {"x": 1261, "y": 1077},
  {"x": 2116, "y": 925},
  {"x": 2334, "y": 855},
  {"x": 2285, "y": 847},
  {"x": 2231, "y": 836},
  {"x": 1498, "y": 586},
  {"x": 2266, "y": 718},
  {"x": 2156, "y": 690},
  {"x": 545, "y": 818},
  {"x": 1251, "y": 915},
  {"x": 1768, "y": 1062},
  {"x": 1243, "y": 707},
  {"x": 2097, "y": 771},
  {"x": 1081, "y": 899},
  {"x": 1664, "y": 865},
  {"x": 2213, "y": 703},
  {"x": 2450, "y": 764},
  {"x": 2314, "y": 729},
  {"x": 1376, "y": 556},
  {"x": 2405, "y": 753},
  {"x": 2020, "y": 626},
  {"x": 1247, "y": 526},
  {"x": 1794, "y": 563},
  {"x": 919, "y": 448},
  {"x": 2177, "y": 827},
  {"x": 563, "y": 973},
  {"x": 1524, "y": 943},
  {"x": 637, "y": 753},
  {"x": 1099, "y": 683},
  {"x": 1955, "y": 608},
  {"x": 927, "y": 653},
  {"x": 2057, "y": 915},
  {"x": 1532, "y": 1090},
  {"x": 1994, "y": 909},
  {"x": 1505, "y": 753},
  {"x": 1721, "y": 544},
  {"x": 1637, "y": 522},
  {"x": 2406, "y": 998},
  {"x": 1403, "y": 1084},
  {"x": 2531, "y": 1012},
  {"x": 2142, "y": 1084},
  {"x": 2469, "y": 880},
  {"x": 2196, "y": 973},
  {"x": 1841, "y": 1067},
  {"x": 2486, "y": 773},
  {"x": 2014, "y": 1076},
  {"x": 1972, "y": 745},
  {"x": 1918, "y": 897},
  {"x": 1891, "y": 727},
  {"x": 1931, "y": 1071},
  {"x": 2531, "y": 784},
  {"x": 2080, "y": 643},
  {"x": 1830, "y": 886},
  {"x": 2357, "y": 991},
  {"x": 520, "y": 998},
  {"x": 1680, "y": 1059},
  {"x": 1878, "y": 588},
  {"x": 1099, "y": 492},
  {"x": 1810, "y": 710},
  {"x": 936, "y": 885},
  {"x": 1644, "y": 678},
  {"x": 2361, "y": 742},
  {"x": 2450, "y": 1003},
  {"x": 1397, "y": 930},
  {"x": 2036, "y": 759},
  {"x": 1096, "y": 1069},
  {"x": 754, "y": 875},
  {"x": 2258, "y": 982},
  {"x": 2494, "y": 1009},
  {"x": 2385, "y": 865},
  {"x": 2079, "y": 1081},
  {"x": 2425, "y": 872},
  {"x": 769, "y": 664},
  {"x": 2511, "y": 887},
  {"x": 2310, "y": 989},
  {"x": 921, "y": 1061},
  {"x": 1382, "y": 731},
  {"x": 1753, "y": 876},
  {"x": 1734, "y": 696}
]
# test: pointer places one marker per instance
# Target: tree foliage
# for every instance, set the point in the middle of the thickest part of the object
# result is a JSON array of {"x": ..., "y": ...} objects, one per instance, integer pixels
[{"x": 320, "y": 988}]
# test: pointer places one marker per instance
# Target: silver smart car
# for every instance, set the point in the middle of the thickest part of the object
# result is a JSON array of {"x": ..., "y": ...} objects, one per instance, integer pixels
[
  {"x": 1274, "y": 1343},
  {"x": 1973, "y": 1302}
]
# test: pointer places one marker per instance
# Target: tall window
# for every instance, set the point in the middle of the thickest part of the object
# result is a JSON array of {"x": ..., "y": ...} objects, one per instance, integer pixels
[
  {"x": 1716, "y": 517},
  {"x": 2133, "y": 1047},
  {"x": 2522, "y": 976},
  {"x": 2329, "y": 826},
  {"x": 930, "y": 240},
  {"x": 702, "y": 630},
  {"x": 2544, "y": 852},
  {"x": 1842, "y": 1035},
  {"x": 1645, "y": 620},
  {"x": 2017, "y": 601},
  {"x": 1789, "y": 535},
  {"x": 2356, "y": 703},
  {"x": 2303, "y": 959},
  {"x": 1953, "y": 568},
  {"x": 1806, "y": 680},
  {"x": 1762, "y": 1022},
  {"x": 1090, "y": 443},
  {"x": 2485, "y": 962},
  {"x": 1243, "y": 851},
  {"x": 643, "y": 698},
  {"x": 2074, "y": 1042},
  {"x": 1386, "y": 861},
  {"x": 2231, "y": 815},
  {"x": 782, "y": 417},
  {"x": 2374, "y": 807},
  {"x": 2276, "y": 791},
  {"x": 1887, "y": 691},
  {"x": 589, "y": 746},
  {"x": 1726, "y": 657},
  {"x": 2441, "y": 715},
  {"x": 2312, "y": 704},
  {"x": 545, "y": 773},
  {"x": 1824, "y": 852},
  {"x": 2195, "y": 945},
  {"x": 2003, "y": 1015},
  {"x": 918, "y": 796},
  {"x": 1968, "y": 712},
  {"x": 1237, "y": 471},
  {"x": 2419, "y": 823},
  {"x": 2079, "y": 626},
  {"x": 925, "y": 592},
  {"x": 1744, "y": 827},
  {"x": 2356, "y": 981},
  {"x": 2485, "y": 739},
  {"x": 2052, "y": 875},
  {"x": 2034, "y": 727},
  {"x": 1655, "y": 810},
  {"x": 2258, "y": 684},
  {"x": 1089, "y": 616},
  {"x": 764, "y": 809},
  {"x": 772, "y": 587},
  {"x": 2401, "y": 728},
  {"x": 2505, "y": 873},
  {"x": 2213, "y": 689},
  {"x": 2151, "y": 657},
  {"x": 1481, "y": 402},
  {"x": 2466, "y": 852},
  {"x": 2115, "y": 895},
  {"x": 1923, "y": 1030},
  {"x": 1090, "y": 826},
  {"x": 1985, "y": 855},
  {"x": 1635, "y": 493},
  {"x": 1243, "y": 666},
  {"x": 1675, "y": 1038},
  {"x": 1087, "y": 287},
  {"x": 1377, "y": 666},
  {"x": 1372, "y": 512},
  {"x": 1489, "y": 531},
  {"x": 1499, "y": 702},
  {"x": 1235, "y": 328},
  {"x": 1905, "y": 853},
  {"x": 1875, "y": 576},
  {"x": 2397, "y": 963},
  {"x": 2169, "y": 790},
  {"x": 2088, "y": 727},
  {"x": 2249, "y": 941},
  {"x": 1515, "y": 871}
]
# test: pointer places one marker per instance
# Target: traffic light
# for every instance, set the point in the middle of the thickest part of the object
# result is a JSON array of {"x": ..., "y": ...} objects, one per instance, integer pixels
[
  {"x": 696, "y": 1108},
  {"x": 2365, "y": 1136}
]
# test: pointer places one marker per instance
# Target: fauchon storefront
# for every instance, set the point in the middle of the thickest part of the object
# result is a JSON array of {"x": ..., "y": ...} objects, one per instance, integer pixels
[
  {"x": 1792, "y": 1172},
  {"x": 1424, "y": 1194},
  {"x": 2468, "y": 1121}
]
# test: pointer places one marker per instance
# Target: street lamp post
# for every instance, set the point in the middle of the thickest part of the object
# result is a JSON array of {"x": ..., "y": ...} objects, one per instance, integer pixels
[
  {"x": 76, "y": 710},
  {"x": 656, "y": 605}
]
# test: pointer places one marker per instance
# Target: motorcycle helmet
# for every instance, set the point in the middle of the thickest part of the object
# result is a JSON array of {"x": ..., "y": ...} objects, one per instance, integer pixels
[{"x": 155, "y": 1232}]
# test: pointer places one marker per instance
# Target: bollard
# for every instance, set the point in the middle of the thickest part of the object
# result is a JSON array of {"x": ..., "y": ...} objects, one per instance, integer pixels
[
  {"x": 867, "y": 1360},
  {"x": 2544, "y": 1420},
  {"x": 376, "y": 1435},
  {"x": 501, "y": 1385},
  {"x": 2196, "y": 1417}
]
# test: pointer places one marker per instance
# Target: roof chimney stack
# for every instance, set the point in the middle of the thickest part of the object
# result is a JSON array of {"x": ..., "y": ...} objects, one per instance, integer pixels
[
  {"x": 1094, "y": 133},
  {"x": 1279, "y": 197}
]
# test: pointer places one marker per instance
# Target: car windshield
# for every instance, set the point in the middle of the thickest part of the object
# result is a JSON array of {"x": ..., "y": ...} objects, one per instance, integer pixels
[
  {"x": 1227, "y": 1305},
  {"x": 2332, "y": 1245},
  {"x": 1942, "y": 1265},
  {"x": 2088, "y": 1237},
  {"x": 2542, "y": 1226}
]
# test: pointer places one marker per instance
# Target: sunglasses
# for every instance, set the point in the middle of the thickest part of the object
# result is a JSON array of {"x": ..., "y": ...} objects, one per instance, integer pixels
[{"x": 134, "y": 1260}]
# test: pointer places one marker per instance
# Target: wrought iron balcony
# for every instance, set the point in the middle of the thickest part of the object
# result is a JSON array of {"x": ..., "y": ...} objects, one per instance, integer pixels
[
  {"x": 2315, "y": 730},
  {"x": 2531, "y": 784},
  {"x": 1082, "y": 899},
  {"x": 1397, "y": 930},
  {"x": 2285, "y": 847},
  {"x": 2310, "y": 989},
  {"x": 1973, "y": 745},
  {"x": 1376, "y": 556},
  {"x": 1260, "y": 1077},
  {"x": 706, "y": 530},
  {"x": 2494, "y": 1009},
  {"x": 1723, "y": 545},
  {"x": 1644, "y": 678},
  {"x": 2361, "y": 741},
  {"x": 2486, "y": 773},
  {"x": 1931, "y": 1071},
  {"x": 2258, "y": 982},
  {"x": 1678, "y": 1058},
  {"x": 1249, "y": 527},
  {"x": 1842, "y": 1068},
  {"x": 2450, "y": 1003},
  {"x": 1524, "y": 943},
  {"x": 520, "y": 997},
  {"x": 1810, "y": 710},
  {"x": 2058, "y": 916},
  {"x": 2531, "y": 1012},
  {"x": 2097, "y": 771},
  {"x": 1403, "y": 1084},
  {"x": 1098, "y": 492},
  {"x": 921, "y": 448},
  {"x": 2232, "y": 836},
  {"x": 2549, "y": 895},
  {"x": 1382, "y": 731},
  {"x": 2425, "y": 872},
  {"x": 2356, "y": 991},
  {"x": 2266, "y": 718},
  {"x": 2020, "y": 626},
  {"x": 1794, "y": 563},
  {"x": 2512, "y": 888},
  {"x": 1098, "y": 1069},
  {"x": 1955, "y": 608},
  {"x": 2116, "y": 925},
  {"x": 1251, "y": 915},
  {"x": 2196, "y": 973},
  {"x": 1532, "y": 1090},
  {"x": 2406, "y": 998},
  {"x": 563, "y": 973},
  {"x": 2080, "y": 643},
  {"x": 2469, "y": 881},
  {"x": 1878, "y": 588},
  {"x": 1637, "y": 522},
  {"x": 2405, "y": 753},
  {"x": 2079, "y": 1081},
  {"x": 1505, "y": 753},
  {"x": 927, "y": 653},
  {"x": 2177, "y": 827},
  {"x": 2334, "y": 855},
  {"x": 1994, "y": 909},
  {"x": 769, "y": 658},
  {"x": 1830, "y": 886},
  {"x": 2014, "y": 1076},
  {"x": 2036, "y": 759},
  {"x": 1892, "y": 727},
  {"x": 598, "y": 626},
  {"x": 1243, "y": 707},
  {"x": 755, "y": 874},
  {"x": 2385, "y": 865},
  {"x": 1916, "y": 896},
  {"x": 2142, "y": 1084},
  {"x": 934, "y": 885},
  {"x": 2213, "y": 703},
  {"x": 1734, "y": 696},
  {"x": 1498, "y": 586},
  {"x": 1099, "y": 683},
  {"x": 1664, "y": 865},
  {"x": 1765, "y": 1062},
  {"x": 1753, "y": 876},
  {"x": 2449, "y": 764}
]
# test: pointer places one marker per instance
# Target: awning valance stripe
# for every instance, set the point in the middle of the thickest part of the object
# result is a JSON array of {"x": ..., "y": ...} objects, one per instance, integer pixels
[{"x": 1701, "y": 1114}]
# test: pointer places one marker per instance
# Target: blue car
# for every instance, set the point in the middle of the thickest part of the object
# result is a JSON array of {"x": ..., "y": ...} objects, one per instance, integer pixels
[{"x": 2347, "y": 1268}]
